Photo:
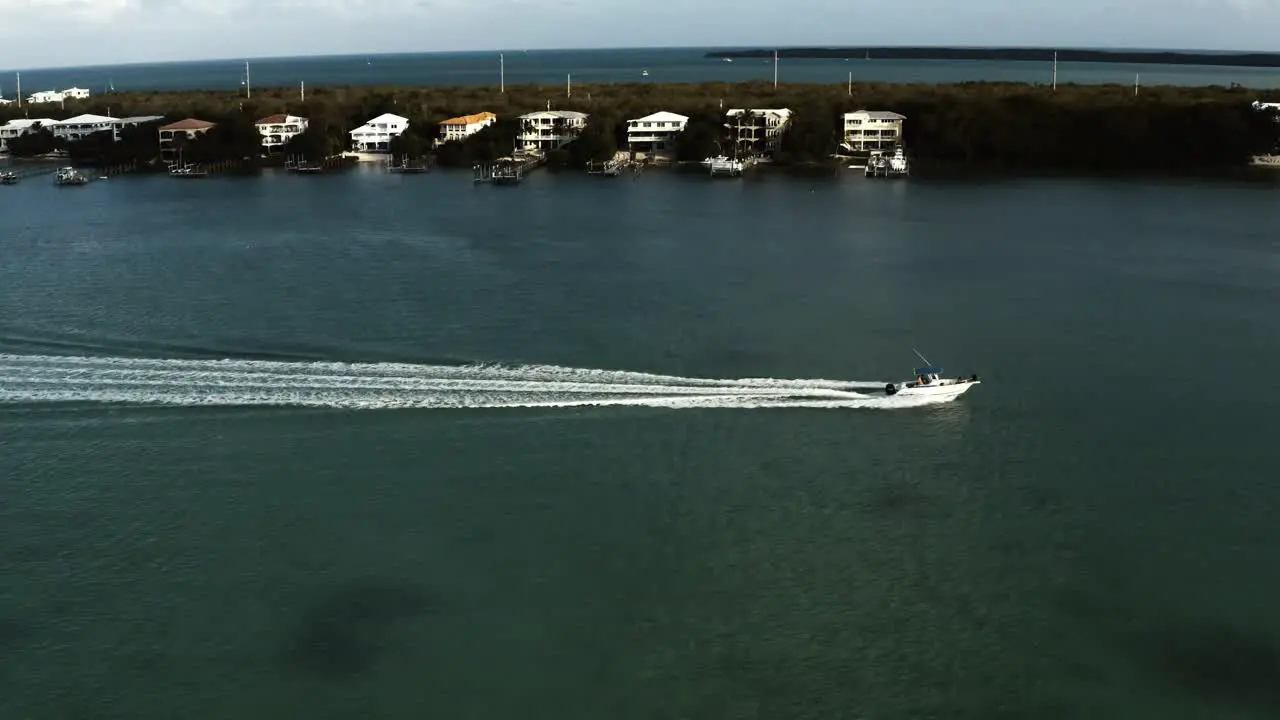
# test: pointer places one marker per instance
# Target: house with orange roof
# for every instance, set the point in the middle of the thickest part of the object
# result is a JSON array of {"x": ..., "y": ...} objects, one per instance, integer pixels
[
  {"x": 188, "y": 128},
  {"x": 460, "y": 128}
]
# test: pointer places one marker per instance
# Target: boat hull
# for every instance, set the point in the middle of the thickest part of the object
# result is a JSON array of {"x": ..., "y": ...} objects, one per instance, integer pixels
[{"x": 941, "y": 389}]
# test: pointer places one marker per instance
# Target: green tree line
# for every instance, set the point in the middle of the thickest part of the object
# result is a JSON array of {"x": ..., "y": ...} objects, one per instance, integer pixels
[{"x": 1010, "y": 126}]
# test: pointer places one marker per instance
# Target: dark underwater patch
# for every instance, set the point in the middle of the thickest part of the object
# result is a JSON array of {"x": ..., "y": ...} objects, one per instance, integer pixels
[
  {"x": 346, "y": 632},
  {"x": 1219, "y": 663}
]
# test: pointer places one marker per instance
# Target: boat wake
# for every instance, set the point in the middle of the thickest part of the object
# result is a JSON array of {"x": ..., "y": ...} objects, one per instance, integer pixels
[{"x": 372, "y": 386}]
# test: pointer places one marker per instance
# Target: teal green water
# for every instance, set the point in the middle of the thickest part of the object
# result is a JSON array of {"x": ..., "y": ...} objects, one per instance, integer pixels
[{"x": 1089, "y": 533}]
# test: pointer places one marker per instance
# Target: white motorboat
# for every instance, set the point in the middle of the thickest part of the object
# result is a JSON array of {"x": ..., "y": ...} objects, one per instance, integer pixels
[
  {"x": 898, "y": 162},
  {"x": 890, "y": 166},
  {"x": 929, "y": 382}
]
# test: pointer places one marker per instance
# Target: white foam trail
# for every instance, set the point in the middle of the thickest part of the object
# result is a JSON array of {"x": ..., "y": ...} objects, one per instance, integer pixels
[{"x": 368, "y": 386}]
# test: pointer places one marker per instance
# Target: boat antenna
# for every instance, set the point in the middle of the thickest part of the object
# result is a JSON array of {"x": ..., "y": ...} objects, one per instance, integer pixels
[{"x": 925, "y": 359}]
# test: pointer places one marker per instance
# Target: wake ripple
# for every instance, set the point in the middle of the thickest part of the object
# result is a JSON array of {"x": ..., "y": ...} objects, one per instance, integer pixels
[{"x": 376, "y": 386}]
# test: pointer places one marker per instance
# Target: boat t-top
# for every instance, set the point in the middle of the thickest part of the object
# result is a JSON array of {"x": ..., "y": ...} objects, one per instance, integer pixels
[{"x": 930, "y": 382}]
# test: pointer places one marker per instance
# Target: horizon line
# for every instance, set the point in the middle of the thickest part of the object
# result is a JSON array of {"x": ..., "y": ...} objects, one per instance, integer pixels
[{"x": 705, "y": 48}]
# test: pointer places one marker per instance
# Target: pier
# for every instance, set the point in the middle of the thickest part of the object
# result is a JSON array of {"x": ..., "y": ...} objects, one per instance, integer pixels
[
  {"x": 193, "y": 171},
  {"x": 14, "y": 175},
  {"x": 302, "y": 166},
  {"x": 609, "y": 168},
  {"x": 507, "y": 171},
  {"x": 21, "y": 173},
  {"x": 407, "y": 167}
]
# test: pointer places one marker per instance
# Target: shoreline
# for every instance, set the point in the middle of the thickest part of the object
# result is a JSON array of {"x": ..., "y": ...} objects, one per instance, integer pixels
[
  {"x": 1012, "y": 54},
  {"x": 831, "y": 170}
]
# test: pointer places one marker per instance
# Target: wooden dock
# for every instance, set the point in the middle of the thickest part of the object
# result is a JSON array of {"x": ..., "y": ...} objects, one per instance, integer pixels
[
  {"x": 407, "y": 167},
  {"x": 507, "y": 171},
  {"x": 609, "y": 168},
  {"x": 302, "y": 166},
  {"x": 20, "y": 173}
]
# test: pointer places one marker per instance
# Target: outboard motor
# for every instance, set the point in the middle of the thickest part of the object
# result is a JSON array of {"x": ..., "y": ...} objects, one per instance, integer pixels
[
  {"x": 974, "y": 378},
  {"x": 890, "y": 389}
]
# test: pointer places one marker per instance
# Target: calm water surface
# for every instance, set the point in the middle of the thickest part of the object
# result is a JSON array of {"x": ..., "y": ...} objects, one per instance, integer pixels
[{"x": 1090, "y": 533}]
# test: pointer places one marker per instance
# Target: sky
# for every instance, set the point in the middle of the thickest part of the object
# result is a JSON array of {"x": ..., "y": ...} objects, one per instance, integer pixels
[{"x": 57, "y": 33}]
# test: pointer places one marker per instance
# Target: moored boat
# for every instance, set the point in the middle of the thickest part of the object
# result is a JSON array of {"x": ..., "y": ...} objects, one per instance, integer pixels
[
  {"x": 69, "y": 176},
  {"x": 188, "y": 172},
  {"x": 8, "y": 178}
]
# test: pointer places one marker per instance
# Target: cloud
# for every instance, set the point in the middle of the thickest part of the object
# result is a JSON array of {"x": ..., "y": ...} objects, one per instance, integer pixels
[{"x": 94, "y": 11}]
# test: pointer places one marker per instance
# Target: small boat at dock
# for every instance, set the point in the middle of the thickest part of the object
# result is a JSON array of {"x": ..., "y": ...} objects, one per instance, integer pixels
[
  {"x": 69, "y": 176},
  {"x": 8, "y": 178},
  {"x": 724, "y": 166},
  {"x": 188, "y": 172},
  {"x": 890, "y": 166}
]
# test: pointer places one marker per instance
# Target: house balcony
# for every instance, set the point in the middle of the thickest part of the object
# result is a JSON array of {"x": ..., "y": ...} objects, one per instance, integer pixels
[
  {"x": 648, "y": 137},
  {"x": 547, "y": 135}
]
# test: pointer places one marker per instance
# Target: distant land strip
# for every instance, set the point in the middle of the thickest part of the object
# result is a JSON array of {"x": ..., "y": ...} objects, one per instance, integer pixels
[{"x": 1012, "y": 54}]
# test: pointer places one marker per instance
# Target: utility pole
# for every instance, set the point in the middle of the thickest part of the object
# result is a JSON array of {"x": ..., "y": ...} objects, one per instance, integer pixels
[
  {"x": 568, "y": 85},
  {"x": 302, "y": 91},
  {"x": 850, "y": 83},
  {"x": 248, "y": 93},
  {"x": 18, "y": 77},
  {"x": 502, "y": 73},
  {"x": 1136, "y": 78},
  {"x": 1055, "y": 70},
  {"x": 775, "y": 69}
]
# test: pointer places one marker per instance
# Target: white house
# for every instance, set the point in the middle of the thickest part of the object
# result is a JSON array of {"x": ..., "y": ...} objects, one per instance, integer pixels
[
  {"x": 135, "y": 121},
  {"x": 45, "y": 96},
  {"x": 375, "y": 135},
  {"x": 75, "y": 93},
  {"x": 759, "y": 130},
  {"x": 872, "y": 130},
  {"x": 655, "y": 134},
  {"x": 549, "y": 129},
  {"x": 83, "y": 125},
  {"x": 278, "y": 130},
  {"x": 139, "y": 120},
  {"x": 460, "y": 128},
  {"x": 22, "y": 126}
]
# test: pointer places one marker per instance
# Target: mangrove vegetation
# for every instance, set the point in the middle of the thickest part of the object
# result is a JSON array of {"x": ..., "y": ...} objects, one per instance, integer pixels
[{"x": 1006, "y": 126}]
